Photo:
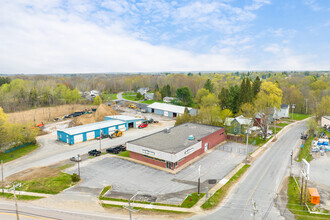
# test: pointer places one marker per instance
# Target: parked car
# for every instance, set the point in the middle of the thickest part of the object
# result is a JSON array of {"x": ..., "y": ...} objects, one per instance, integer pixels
[
  {"x": 112, "y": 150},
  {"x": 67, "y": 116},
  {"x": 75, "y": 159},
  {"x": 94, "y": 153},
  {"x": 143, "y": 110},
  {"x": 143, "y": 125},
  {"x": 120, "y": 148}
]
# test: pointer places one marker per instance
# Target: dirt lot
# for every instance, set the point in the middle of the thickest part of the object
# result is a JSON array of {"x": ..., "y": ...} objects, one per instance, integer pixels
[{"x": 42, "y": 114}]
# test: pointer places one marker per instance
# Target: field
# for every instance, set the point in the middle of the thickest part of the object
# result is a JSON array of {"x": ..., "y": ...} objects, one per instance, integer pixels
[
  {"x": 109, "y": 97},
  {"x": 130, "y": 96},
  {"x": 297, "y": 116},
  {"x": 42, "y": 114}
]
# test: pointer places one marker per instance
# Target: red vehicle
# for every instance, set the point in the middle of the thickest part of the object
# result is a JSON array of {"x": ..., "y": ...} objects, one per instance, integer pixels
[{"x": 143, "y": 125}]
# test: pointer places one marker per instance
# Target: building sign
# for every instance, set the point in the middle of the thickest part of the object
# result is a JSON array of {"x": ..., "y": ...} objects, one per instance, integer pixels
[
  {"x": 188, "y": 151},
  {"x": 148, "y": 152}
]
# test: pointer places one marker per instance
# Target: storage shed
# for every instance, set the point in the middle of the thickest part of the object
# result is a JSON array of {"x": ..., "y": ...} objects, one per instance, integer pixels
[
  {"x": 173, "y": 147},
  {"x": 89, "y": 131},
  {"x": 132, "y": 122},
  {"x": 169, "y": 110}
]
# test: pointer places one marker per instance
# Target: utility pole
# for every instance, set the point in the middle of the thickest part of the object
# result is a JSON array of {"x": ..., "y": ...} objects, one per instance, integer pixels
[
  {"x": 247, "y": 145},
  {"x": 2, "y": 184},
  {"x": 199, "y": 179},
  {"x": 254, "y": 206},
  {"x": 78, "y": 165},
  {"x": 100, "y": 139},
  {"x": 14, "y": 188},
  {"x": 129, "y": 207},
  {"x": 291, "y": 164},
  {"x": 306, "y": 105},
  {"x": 302, "y": 190}
]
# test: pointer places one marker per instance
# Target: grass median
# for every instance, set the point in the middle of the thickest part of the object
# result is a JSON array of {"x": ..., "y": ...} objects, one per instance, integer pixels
[
  {"x": 297, "y": 116},
  {"x": 220, "y": 194},
  {"x": 145, "y": 209},
  {"x": 305, "y": 150},
  {"x": 19, "y": 197},
  {"x": 189, "y": 202},
  {"x": 18, "y": 153}
]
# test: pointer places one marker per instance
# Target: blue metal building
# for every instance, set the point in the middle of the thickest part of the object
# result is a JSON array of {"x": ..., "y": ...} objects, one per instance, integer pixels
[
  {"x": 131, "y": 122},
  {"x": 169, "y": 110},
  {"x": 90, "y": 131}
]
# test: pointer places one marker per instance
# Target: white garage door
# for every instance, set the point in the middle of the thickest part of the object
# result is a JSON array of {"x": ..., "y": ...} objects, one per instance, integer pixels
[
  {"x": 112, "y": 129},
  {"x": 165, "y": 113},
  {"x": 122, "y": 128},
  {"x": 90, "y": 135},
  {"x": 78, "y": 138}
]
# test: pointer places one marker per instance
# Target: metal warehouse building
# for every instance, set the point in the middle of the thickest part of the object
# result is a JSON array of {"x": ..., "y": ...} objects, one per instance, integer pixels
[
  {"x": 90, "y": 131},
  {"x": 176, "y": 146},
  {"x": 131, "y": 122},
  {"x": 169, "y": 110}
]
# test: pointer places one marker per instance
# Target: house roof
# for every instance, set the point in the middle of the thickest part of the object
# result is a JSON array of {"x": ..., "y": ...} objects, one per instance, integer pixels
[
  {"x": 283, "y": 106},
  {"x": 168, "y": 107},
  {"x": 176, "y": 139},
  {"x": 327, "y": 117},
  {"x": 91, "y": 127},
  {"x": 243, "y": 121}
]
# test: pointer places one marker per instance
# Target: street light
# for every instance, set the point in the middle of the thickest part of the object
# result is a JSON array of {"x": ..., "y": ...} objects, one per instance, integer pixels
[
  {"x": 101, "y": 133},
  {"x": 247, "y": 131},
  {"x": 78, "y": 159},
  {"x": 199, "y": 179}
]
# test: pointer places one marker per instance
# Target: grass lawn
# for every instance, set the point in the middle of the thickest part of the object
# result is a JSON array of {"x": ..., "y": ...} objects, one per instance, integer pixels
[
  {"x": 305, "y": 151},
  {"x": 282, "y": 124},
  {"x": 297, "y": 116},
  {"x": 130, "y": 96},
  {"x": 150, "y": 102},
  {"x": 194, "y": 199},
  {"x": 110, "y": 96},
  {"x": 221, "y": 193},
  {"x": 258, "y": 141},
  {"x": 49, "y": 185},
  {"x": 185, "y": 204},
  {"x": 124, "y": 154},
  {"x": 18, "y": 153},
  {"x": 277, "y": 130},
  {"x": 19, "y": 197},
  {"x": 294, "y": 203}
]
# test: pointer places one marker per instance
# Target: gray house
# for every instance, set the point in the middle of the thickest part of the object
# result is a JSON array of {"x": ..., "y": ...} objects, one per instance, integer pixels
[{"x": 169, "y": 110}]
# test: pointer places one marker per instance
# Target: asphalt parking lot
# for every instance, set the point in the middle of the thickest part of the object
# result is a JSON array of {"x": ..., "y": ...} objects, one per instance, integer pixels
[{"x": 154, "y": 185}]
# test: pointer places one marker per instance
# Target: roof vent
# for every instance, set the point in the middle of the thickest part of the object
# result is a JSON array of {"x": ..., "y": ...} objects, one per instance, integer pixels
[{"x": 191, "y": 137}]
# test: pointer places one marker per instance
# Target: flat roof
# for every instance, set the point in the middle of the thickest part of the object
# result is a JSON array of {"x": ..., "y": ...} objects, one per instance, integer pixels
[
  {"x": 91, "y": 127},
  {"x": 177, "y": 138},
  {"x": 124, "y": 117},
  {"x": 168, "y": 107}
]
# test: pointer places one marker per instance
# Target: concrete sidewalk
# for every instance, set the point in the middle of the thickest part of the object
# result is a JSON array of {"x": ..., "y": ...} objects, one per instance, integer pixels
[{"x": 27, "y": 193}]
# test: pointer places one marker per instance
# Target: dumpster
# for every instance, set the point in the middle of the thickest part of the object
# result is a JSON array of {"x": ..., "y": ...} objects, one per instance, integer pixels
[{"x": 314, "y": 196}]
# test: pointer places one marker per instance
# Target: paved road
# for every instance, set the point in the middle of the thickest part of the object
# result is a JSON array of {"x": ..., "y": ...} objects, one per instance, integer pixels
[
  {"x": 52, "y": 151},
  {"x": 27, "y": 211},
  {"x": 261, "y": 182}
]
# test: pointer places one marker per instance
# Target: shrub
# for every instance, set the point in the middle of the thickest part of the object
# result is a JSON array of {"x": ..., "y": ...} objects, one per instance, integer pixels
[{"x": 75, "y": 177}]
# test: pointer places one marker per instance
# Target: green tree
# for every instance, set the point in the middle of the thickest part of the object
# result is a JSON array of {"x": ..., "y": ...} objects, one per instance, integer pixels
[
  {"x": 209, "y": 100},
  {"x": 209, "y": 85},
  {"x": 233, "y": 99},
  {"x": 269, "y": 97},
  {"x": 4, "y": 80},
  {"x": 157, "y": 96},
  {"x": 184, "y": 95},
  {"x": 224, "y": 98},
  {"x": 200, "y": 94},
  {"x": 97, "y": 100},
  {"x": 323, "y": 107},
  {"x": 166, "y": 91},
  {"x": 256, "y": 86},
  {"x": 184, "y": 118},
  {"x": 139, "y": 96},
  {"x": 225, "y": 113}
]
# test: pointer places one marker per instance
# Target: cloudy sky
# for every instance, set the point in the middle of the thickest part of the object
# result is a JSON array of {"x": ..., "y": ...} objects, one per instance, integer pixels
[{"x": 90, "y": 36}]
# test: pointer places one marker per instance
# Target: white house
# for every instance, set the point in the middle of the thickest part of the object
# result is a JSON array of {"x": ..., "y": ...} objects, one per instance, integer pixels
[
  {"x": 283, "y": 112},
  {"x": 168, "y": 99},
  {"x": 95, "y": 93},
  {"x": 149, "y": 96},
  {"x": 142, "y": 90},
  {"x": 325, "y": 121}
]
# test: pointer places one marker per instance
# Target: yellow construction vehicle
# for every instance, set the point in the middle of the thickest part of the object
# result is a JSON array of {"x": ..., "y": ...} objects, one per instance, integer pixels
[
  {"x": 132, "y": 107},
  {"x": 116, "y": 133}
]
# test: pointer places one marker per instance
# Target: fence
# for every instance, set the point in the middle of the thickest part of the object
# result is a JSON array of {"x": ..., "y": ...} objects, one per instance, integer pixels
[
  {"x": 16, "y": 148},
  {"x": 236, "y": 138}
]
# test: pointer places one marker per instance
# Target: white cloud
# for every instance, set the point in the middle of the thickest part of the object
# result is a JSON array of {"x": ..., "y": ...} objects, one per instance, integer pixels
[{"x": 312, "y": 4}]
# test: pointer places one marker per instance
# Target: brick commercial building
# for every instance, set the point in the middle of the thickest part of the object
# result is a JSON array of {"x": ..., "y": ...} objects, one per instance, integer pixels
[{"x": 171, "y": 148}]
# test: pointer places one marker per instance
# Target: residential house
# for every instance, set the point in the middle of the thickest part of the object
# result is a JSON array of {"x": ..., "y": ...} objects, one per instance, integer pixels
[
  {"x": 283, "y": 112},
  {"x": 168, "y": 99},
  {"x": 149, "y": 96},
  {"x": 143, "y": 91},
  {"x": 238, "y": 125},
  {"x": 325, "y": 121}
]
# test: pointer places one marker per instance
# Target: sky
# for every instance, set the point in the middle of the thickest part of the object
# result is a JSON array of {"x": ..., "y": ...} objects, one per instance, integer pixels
[{"x": 98, "y": 36}]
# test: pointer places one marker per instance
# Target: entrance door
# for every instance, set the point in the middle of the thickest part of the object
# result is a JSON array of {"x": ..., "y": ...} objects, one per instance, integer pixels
[
  {"x": 206, "y": 147},
  {"x": 169, "y": 165}
]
